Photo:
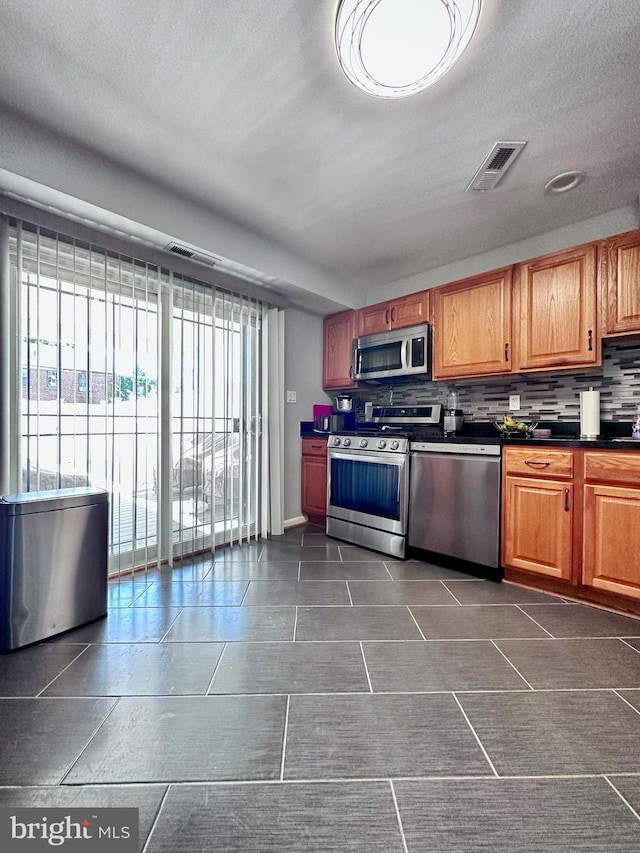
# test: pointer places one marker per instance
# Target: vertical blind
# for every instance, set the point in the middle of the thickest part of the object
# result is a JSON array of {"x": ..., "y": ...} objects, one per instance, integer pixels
[{"x": 142, "y": 382}]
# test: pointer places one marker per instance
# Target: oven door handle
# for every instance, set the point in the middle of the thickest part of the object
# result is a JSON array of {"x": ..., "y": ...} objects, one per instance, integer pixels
[{"x": 396, "y": 459}]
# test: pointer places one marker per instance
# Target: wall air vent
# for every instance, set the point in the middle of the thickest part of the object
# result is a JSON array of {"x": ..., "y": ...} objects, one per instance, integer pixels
[
  {"x": 193, "y": 254},
  {"x": 495, "y": 164}
]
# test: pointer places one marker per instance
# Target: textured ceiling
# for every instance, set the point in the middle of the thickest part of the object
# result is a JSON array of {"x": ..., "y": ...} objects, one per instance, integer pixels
[{"x": 242, "y": 108}]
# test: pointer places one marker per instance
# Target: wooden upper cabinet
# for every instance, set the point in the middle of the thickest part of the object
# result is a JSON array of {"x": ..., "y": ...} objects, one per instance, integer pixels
[
  {"x": 555, "y": 311},
  {"x": 339, "y": 332},
  {"x": 398, "y": 313},
  {"x": 472, "y": 326},
  {"x": 621, "y": 283}
]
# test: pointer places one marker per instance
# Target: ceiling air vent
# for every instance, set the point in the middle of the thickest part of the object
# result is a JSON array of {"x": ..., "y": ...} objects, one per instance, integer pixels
[
  {"x": 495, "y": 164},
  {"x": 193, "y": 254}
]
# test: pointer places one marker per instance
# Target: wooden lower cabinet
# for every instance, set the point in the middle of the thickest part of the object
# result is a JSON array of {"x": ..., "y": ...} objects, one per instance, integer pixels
[
  {"x": 537, "y": 520},
  {"x": 538, "y": 525},
  {"x": 572, "y": 525},
  {"x": 611, "y": 557},
  {"x": 314, "y": 479}
]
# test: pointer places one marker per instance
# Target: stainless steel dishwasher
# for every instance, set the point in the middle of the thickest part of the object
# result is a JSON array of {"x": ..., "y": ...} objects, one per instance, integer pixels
[{"x": 454, "y": 500}]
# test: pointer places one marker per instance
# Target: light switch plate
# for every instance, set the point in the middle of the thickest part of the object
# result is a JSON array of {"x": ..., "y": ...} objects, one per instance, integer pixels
[
  {"x": 514, "y": 402},
  {"x": 291, "y": 396}
]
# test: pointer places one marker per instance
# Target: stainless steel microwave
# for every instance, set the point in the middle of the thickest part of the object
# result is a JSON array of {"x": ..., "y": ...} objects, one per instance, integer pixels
[{"x": 395, "y": 355}]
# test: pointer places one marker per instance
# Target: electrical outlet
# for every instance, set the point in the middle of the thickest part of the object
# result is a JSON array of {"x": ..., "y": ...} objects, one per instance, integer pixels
[
  {"x": 514, "y": 402},
  {"x": 291, "y": 396}
]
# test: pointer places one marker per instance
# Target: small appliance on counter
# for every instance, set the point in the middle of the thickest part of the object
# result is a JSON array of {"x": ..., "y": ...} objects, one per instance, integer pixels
[
  {"x": 343, "y": 403},
  {"x": 322, "y": 418},
  {"x": 344, "y": 414},
  {"x": 453, "y": 415}
]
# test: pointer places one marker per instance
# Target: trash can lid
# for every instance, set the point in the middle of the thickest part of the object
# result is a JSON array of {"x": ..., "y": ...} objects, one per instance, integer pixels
[{"x": 23, "y": 503}]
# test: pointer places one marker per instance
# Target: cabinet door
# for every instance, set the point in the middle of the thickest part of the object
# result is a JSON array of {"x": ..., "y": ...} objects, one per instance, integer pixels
[
  {"x": 555, "y": 310},
  {"x": 538, "y": 526},
  {"x": 374, "y": 319},
  {"x": 621, "y": 291},
  {"x": 339, "y": 332},
  {"x": 611, "y": 557},
  {"x": 410, "y": 310},
  {"x": 314, "y": 485},
  {"x": 472, "y": 327}
]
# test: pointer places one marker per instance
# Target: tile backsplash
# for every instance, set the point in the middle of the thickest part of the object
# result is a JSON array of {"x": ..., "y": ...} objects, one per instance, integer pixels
[{"x": 543, "y": 396}]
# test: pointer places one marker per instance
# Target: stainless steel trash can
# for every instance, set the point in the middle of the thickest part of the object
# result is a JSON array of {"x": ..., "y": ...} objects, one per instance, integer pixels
[{"x": 53, "y": 563}]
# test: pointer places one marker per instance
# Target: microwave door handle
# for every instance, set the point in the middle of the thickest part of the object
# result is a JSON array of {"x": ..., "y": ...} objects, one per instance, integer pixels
[{"x": 405, "y": 354}]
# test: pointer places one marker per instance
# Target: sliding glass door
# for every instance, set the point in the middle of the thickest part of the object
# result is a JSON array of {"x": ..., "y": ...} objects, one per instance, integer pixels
[{"x": 114, "y": 351}]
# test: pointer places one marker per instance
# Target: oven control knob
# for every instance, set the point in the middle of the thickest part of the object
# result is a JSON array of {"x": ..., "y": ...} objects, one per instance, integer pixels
[
  {"x": 336, "y": 441},
  {"x": 347, "y": 442},
  {"x": 395, "y": 445},
  {"x": 363, "y": 442},
  {"x": 382, "y": 444}
]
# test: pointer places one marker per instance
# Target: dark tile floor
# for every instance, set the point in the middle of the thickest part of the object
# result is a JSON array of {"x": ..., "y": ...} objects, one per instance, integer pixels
[{"x": 304, "y": 695}]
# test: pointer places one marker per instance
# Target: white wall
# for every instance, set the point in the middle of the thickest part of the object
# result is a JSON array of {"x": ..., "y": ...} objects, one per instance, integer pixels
[
  {"x": 614, "y": 222},
  {"x": 302, "y": 374},
  {"x": 34, "y": 160}
]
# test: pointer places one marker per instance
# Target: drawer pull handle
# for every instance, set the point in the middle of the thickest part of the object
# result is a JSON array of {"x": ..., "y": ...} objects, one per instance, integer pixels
[
  {"x": 566, "y": 500},
  {"x": 536, "y": 462}
]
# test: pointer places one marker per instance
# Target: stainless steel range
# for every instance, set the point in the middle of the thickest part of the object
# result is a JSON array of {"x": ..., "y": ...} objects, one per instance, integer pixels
[{"x": 368, "y": 477}]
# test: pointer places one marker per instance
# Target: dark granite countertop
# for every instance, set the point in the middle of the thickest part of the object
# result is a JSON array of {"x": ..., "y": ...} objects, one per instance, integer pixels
[
  {"x": 615, "y": 436},
  {"x": 307, "y": 431},
  {"x": 555, "y": 441}
]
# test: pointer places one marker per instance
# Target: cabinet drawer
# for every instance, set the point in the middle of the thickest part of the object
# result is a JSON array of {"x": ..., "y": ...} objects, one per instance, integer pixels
[
  {"x": 612, "y": 467},
  {"x": 538, "y": 463},
  {"x": 314, "y": 447}
]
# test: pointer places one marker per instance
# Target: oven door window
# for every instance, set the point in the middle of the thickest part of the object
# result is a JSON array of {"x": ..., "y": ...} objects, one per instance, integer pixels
[
  {"x": 380, "y": 358},
  {"x": 369, "y": 487}
]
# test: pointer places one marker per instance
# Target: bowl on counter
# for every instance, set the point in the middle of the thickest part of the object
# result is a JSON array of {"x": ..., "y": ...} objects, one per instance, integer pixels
[{"x": 515, "y": 433}]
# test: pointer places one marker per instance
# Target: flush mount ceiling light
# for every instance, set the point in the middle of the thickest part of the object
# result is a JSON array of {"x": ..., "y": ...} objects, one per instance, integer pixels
[
  {"x": 564, "y": 182},
  {"x": 395, "y": 48}
]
